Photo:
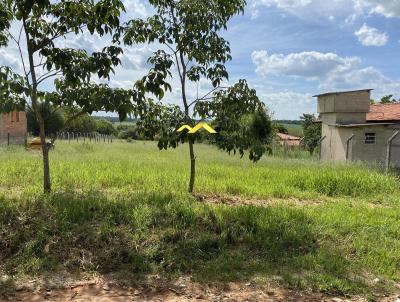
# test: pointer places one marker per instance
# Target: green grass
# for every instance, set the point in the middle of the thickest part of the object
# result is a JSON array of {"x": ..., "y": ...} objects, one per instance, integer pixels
[
  {"x": 294, "y": 129},
  {"x": 123, "y": 208}
]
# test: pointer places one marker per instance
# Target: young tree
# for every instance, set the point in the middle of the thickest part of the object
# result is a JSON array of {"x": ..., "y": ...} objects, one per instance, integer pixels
[
  {"x": 311, "y": 131},
  {"x": 191, "y": 48},
  {"x": 42, "y": 24}
]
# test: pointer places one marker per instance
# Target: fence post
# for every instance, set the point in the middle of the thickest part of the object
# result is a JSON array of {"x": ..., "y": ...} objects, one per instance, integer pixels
[
  {"x": 8, "y": 139},
  {"x": 319, "y": 147},
  {"x": 348, "y": 145},
  {"x": 389, "y": 150}
]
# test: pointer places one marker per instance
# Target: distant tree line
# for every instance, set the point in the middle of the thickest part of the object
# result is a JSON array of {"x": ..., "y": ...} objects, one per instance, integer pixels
[
  {"x": 55, "y": 121},
  {"x": 289, "y": 122},
  {"x": 386, "y": 99}
]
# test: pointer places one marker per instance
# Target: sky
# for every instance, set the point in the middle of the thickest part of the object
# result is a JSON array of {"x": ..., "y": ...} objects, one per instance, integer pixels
[{"x": 288, "y": 50}]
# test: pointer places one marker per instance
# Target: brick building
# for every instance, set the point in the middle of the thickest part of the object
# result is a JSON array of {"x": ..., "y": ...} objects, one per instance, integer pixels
[{"x": 13, "y": 127}]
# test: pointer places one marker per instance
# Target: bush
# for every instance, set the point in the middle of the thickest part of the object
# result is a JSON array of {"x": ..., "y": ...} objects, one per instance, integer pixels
[
  {"x": 82, "y": 124},
  {"x": 105, "y": 127},
  {"x": 128, "y": 132},
  {"x": 53, "y": 120}
]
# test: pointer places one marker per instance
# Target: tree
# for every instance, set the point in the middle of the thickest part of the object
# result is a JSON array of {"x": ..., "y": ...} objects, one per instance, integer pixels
[
  {"x": 388, "y": 99},
  {"x": 311, "y": 131},
  {"x": 192, "y": 49},
  {"x": 105, "y": 127},
  {"x": 43, "y": 23},
  {"x": 54, "y": 120},
  {"x": 83, "y": 124}
]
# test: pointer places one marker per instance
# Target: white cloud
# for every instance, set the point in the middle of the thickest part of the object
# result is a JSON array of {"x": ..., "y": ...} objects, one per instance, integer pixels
[
  {"x": 85, "y": 40},
  {"x": 135, "y": 9},
  {"x": 347, "y": 10},
  {"x": 288, "y": 104},
  {"x": 135, "y": 58},
  {"x": 387, "y": 8},
  {"x": 331, "y": 71},
  {"x": 310, "y": 10},
  {"x": 285, "y": 4},
  {"x": 310, "y": 65},
  {"x": 370, "y": 36},
  {"x": 10, "y": 57}
]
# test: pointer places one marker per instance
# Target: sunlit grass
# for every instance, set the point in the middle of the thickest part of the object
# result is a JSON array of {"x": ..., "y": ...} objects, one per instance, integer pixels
[
  {"x": 124, "y": 207},
  {"x": 140, "y": 166}
]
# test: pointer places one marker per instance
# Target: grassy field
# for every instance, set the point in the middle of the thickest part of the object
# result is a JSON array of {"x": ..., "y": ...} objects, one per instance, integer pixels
[
  {"x": 294, "y": 129},
  {"x": 123, "y": 208}
]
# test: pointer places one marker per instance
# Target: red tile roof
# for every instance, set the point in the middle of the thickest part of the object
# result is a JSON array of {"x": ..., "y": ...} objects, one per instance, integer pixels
[
  {"x": 384, "y": 112},
  {"x": 286, "y": 137}
]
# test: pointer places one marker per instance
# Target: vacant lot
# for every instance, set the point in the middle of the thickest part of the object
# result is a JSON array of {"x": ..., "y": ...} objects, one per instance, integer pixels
[{"x": 122, "y": 209}]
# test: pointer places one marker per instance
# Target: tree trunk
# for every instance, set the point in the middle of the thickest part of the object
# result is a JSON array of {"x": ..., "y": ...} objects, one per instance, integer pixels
[
  {"x": 182, "y": 74},
  {"x": 192, "y": 166},
  {"x": 46, "y": 163},
  {"x": 39, "y": 117}
]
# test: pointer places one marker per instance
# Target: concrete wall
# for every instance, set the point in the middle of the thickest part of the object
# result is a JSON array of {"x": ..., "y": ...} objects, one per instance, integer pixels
[
  {"x": 345, "y": 102},
  {"x": 15, "y": 124},
  {"x": 334, "y": 146}
]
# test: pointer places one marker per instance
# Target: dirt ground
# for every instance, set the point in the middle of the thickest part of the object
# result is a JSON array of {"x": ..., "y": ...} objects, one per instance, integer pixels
[{"x": 182, "y": 290}]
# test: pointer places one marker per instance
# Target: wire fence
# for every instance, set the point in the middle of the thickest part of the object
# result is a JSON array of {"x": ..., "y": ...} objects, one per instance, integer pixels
[{"x": 85, "y": 137}]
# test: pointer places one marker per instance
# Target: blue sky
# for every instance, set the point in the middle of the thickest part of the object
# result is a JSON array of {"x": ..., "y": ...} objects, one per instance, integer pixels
[{"x": 289, "y": 50}]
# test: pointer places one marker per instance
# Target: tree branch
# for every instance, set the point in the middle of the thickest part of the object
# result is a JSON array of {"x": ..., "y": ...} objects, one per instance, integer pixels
[
  {"x": 48, "y": 75},
  {"x": 205, "y": 97},
  {"x": 20, "y": 54}
]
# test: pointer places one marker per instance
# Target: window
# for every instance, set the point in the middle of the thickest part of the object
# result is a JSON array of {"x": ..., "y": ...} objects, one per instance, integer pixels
[{"x": 370, "y": 138}]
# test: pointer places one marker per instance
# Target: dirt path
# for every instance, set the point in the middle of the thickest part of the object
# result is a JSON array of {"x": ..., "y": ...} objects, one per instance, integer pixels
[
  {"x": 182, "y": 290},
  {"x": 239, "y": 201}
]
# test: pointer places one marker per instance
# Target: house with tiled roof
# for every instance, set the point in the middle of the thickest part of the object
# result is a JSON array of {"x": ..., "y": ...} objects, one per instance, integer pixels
[
  {"x": 287, "y": 140},
  {"x": 13, "y": 127},
  {"x": 355, "y": 130}
]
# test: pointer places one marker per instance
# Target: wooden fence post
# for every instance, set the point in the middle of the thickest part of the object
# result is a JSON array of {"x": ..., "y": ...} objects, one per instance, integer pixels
[
  {"x": 348, "y": 145},
  {"x": 389, "y": 150},
  {"x": 319, "y": 148}
]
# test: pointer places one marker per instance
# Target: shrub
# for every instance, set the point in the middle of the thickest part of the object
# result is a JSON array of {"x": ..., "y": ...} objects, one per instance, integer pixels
[
  {"x": 128, "y": 132},
  {"x": 82, "y": 124},
  {"x": 105, "y": 127},
  {"x": 53, "y": 120}
]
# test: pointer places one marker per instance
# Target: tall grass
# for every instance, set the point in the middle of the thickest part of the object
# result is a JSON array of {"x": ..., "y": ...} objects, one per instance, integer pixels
[
  {"x": 140, "y": 166},
  {"x": 123, "y": 208}
]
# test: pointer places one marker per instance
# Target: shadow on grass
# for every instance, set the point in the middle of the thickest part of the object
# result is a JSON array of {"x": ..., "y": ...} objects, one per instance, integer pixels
[{"x": 144, "y": 234}]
